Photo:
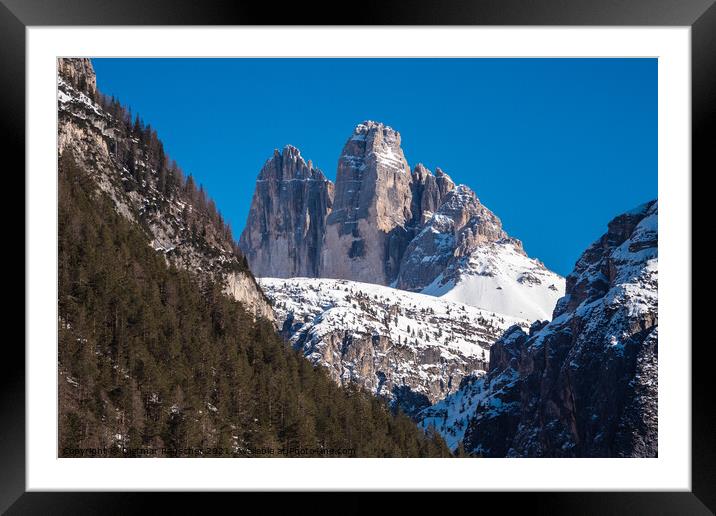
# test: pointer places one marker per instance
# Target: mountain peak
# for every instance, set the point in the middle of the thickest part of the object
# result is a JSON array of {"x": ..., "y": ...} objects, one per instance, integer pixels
[
  {"x": 366, "y": 230},
  {"x": 367, "y": 125},
  {"x": 461, "y": 198},
  {"x": 439, "y": 173},
  {"x": 421, "y": 172},
  {"x": 288, "y": 164},
  {"x": 286, "y": 220},
  {"x": 371, "y": 131},
  {"x": 385, "y": 223},
  {"x": 290, "y": 150},
  {"x": 617, "y": 257}
]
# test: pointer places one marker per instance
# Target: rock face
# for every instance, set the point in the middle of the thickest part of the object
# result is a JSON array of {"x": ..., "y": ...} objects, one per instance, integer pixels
[
  {"x": 585, "y": 384},
  {"x": 460, "y": 224},
  {"x": 286, "y": 223},
  {"x": 428, "y": 192},
  {"x": 409, "y": 348},
  {"x": 366, "y": 233},
  {"x": 463, "y": 254},
  {"x": 177, "y": 219},
  {"x": 243, "y": 288},
  {"x": 79, "y": 73}
]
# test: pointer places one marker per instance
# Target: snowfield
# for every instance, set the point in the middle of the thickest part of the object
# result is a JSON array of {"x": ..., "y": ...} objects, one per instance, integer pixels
[{"x": 499, "y": 278}]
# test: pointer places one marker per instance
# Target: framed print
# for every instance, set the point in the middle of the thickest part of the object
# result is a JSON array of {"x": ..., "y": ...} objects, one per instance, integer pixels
[{"x": 422, "y": 250}]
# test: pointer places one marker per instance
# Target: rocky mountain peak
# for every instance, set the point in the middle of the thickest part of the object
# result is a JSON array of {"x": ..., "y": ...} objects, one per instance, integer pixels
[
  {"x": 377, "y": 131},
  {"x": 460, "y": 204},
  {"x": 420, "y": 173},
  {"x": 440, "y": 173},
  {"x": 284, "y": 233},
  {"x": 367, "y": 228},
  {"x": 609, "y": 259},
  {"x": 444, "y": 181},
  {"x": 373, "y": 144},
  {"x": 429, "y": 192},
  {"x": 389, "y": 225},
  {"x": 288, "y": 164},
  {"x": 78, "y": 72}
]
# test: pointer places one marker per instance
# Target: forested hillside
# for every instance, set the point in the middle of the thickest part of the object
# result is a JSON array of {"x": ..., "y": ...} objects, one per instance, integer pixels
[{"x": 150, "y": 360}]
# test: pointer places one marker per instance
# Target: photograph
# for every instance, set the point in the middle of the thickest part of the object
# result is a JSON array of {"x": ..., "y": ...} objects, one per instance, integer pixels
[
  {"x": 404, "y": 250},
  {"x": 357, "y": 257}
]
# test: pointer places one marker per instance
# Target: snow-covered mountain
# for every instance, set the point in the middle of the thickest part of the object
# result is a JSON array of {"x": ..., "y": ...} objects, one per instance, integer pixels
[
  {"x": 409, "y": 278},
  {"x": 408, "y": 347},
  {"x": 385, "y": 224},
  {"x": 584, "y": 384}
]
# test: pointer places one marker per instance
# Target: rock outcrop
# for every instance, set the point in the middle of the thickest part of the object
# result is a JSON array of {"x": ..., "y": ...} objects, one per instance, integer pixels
[
  {"x": 586, "y": 384},
  {"x": 79, "y": 73},
  {"x": 286, "y": 223},
  {"x": 462, "y": 253},
  {"x": 460, "y": 224},
  {"x": 429, "y": 192}
]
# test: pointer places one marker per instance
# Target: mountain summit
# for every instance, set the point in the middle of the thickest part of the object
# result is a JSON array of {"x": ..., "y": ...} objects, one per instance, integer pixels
[
  {"x": 286, "y": 224},
  {"x": 386, "y": 224},
  {"x": 366, "y": 232}
]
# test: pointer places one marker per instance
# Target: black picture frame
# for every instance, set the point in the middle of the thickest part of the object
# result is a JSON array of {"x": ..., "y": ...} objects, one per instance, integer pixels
[{"x": 700, "y": 15}]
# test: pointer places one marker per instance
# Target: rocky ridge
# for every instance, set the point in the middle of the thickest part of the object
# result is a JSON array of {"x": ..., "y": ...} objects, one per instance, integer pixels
[
  {"x": 181, "y": 223},
  {"x": 584, "y": 384},
  {"x": 459, "y": 225}
]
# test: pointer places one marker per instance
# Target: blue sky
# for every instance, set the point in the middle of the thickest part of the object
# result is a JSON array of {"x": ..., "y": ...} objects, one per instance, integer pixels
[{"x": 555, "y": 147}]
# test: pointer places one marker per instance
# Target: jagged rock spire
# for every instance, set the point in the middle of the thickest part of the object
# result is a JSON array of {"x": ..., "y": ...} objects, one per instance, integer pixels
[
  {"x": 285, "y": 227},
  {"x": 429, "y": 192},
  {"x": 458, "y": 226}
]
